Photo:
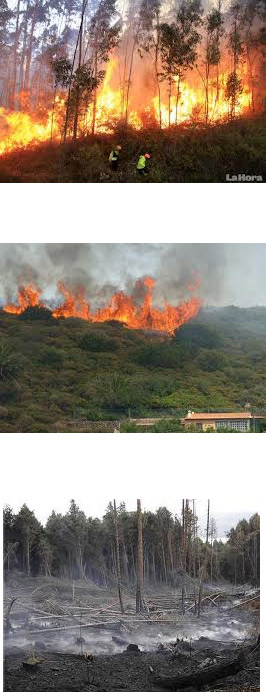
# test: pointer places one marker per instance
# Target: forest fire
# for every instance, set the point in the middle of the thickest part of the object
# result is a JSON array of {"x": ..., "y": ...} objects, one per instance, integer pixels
[
  {"x": 21, "y": 129},
  {"x": 136, "y": 314}
]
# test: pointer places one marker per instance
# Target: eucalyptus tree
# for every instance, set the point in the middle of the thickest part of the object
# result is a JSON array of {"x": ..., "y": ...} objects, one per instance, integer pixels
[
  {"x": 178, "y": 47},
  {"x": 149, "y": 40},
  {"x": 253, "y": 24},
  {"x": 214, "y": 32},
  {"x": 234, "y": 85},
  {"x": 103, "y": 36}
]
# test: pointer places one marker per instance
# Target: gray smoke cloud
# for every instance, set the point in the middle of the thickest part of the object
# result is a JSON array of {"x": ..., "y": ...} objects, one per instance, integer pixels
[{"x": 229, "y": 273}]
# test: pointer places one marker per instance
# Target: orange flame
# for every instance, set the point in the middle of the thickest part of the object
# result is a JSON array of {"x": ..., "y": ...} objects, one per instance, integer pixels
[
  {"x": 121, "y": 307},
  {"x": 28, "y": 296},
  {"x": 19, "y": 129}
]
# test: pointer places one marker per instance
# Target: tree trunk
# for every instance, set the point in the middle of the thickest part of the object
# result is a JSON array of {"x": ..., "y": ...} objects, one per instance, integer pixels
[
  {"x": 129, "y": 77},
  {"x": 29, "y": 50},
  {"x": 15, "y": 60},
  {"x": 23, "y": 51},
  {"x": 169, "y": 102},
  {"x": 139, "y": 589},
  {"x": 27, "y": 556},
  {"x": 118, "y": 566},
  {"x": 156, "y": 69},
  {"x": 207, "y": 93},
  {"x": 76, "y": 116},
  {"x": 177, "y": 99},
  {"x": 95, "y": 92},
  {"x": 199, "y": 679}
]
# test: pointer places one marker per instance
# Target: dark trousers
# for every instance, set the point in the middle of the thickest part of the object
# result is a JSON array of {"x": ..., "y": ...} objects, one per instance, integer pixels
[
  {"x": 142, "y": 171},
  {"x": 114, "y": 165}
]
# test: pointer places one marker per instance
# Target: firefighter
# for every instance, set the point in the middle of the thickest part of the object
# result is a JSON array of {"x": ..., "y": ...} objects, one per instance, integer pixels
[
  {"x": 114, "y": 157},
  {"x": 142, "y": 162}
]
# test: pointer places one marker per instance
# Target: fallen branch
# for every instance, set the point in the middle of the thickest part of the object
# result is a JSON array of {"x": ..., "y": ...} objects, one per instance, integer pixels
[
  {"x": 198, "y": 679},
  {"x": 243, "y": 603}
]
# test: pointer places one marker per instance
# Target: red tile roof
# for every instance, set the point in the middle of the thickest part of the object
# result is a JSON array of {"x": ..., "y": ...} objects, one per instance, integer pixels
[{"x": 220, "y": 416}]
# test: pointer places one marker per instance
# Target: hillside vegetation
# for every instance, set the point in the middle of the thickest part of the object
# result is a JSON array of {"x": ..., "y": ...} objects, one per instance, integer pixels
[
  {"x": 187, "y": 154},
  {"x": 57, "y": 370}
]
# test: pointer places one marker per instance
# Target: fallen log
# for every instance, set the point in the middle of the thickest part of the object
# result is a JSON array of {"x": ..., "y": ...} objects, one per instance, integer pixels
[{"x": 200, "y": 678}]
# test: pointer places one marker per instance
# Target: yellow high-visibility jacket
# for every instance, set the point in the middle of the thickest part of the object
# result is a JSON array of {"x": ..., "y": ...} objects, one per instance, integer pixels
[
  {"x": 141, "y": 163},
  {"x": 114, "y": 155}
]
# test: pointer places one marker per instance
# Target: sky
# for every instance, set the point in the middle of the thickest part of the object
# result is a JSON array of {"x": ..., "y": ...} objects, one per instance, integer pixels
[{"x": 229, "y": 274}]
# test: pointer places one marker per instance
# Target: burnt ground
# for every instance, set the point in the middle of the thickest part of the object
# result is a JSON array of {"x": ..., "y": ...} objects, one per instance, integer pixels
[
  {"x": 62, "y": 627},
  {"x": 128, "y": 671}
]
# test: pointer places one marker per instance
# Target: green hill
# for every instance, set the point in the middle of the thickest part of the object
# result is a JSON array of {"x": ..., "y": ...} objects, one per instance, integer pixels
[{"x": 52, "y": 371}]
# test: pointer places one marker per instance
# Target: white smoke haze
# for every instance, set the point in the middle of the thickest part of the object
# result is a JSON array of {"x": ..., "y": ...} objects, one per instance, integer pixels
[{"x": 229, "y": 273}]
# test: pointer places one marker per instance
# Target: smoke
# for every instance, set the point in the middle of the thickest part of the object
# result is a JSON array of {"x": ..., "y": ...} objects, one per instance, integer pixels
[{"x": 228, "y": 273}]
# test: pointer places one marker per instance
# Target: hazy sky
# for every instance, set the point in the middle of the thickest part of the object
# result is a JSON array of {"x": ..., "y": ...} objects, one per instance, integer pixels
[{"x": 229, "y": 273}]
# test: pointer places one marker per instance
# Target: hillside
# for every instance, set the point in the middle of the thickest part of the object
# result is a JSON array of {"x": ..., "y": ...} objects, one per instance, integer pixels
[
  {"x": 187, "y": 154},
  {"x": 56, "y": 370}
]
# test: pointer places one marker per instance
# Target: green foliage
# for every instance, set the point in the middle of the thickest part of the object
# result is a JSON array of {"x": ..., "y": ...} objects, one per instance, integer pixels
[
  {"x": 87, "y": 163},
  {"x": 9, "y": 361},
  {"x": 80, "y": 547},
  {"x": 97, "y": 342},
  {"x": 62, "y": 69},
  {"x": 51, "y": 356},
  {"x": 5, "y": 16},
  {"x": 36, "y": 313},
  {"x": 54, "y": 371},
  {"x": 179, "y": 155}
]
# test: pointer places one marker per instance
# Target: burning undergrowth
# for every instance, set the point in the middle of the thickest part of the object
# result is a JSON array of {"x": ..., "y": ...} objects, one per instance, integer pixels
[{"x": 135, "y": 310}]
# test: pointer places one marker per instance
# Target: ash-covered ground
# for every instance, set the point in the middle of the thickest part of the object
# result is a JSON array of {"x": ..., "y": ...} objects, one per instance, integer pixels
[{"x": 80, "y": 639}]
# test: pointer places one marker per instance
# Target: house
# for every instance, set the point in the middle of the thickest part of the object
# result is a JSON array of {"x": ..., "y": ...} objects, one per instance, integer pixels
[{"x": 244, "y": 422}]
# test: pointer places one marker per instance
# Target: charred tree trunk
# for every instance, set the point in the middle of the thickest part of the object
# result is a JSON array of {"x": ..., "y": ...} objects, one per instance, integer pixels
[
  {"x": 139, "y": 589},
  {"x": 199, "y": 679},
  {"x": 118, "y": 566}
]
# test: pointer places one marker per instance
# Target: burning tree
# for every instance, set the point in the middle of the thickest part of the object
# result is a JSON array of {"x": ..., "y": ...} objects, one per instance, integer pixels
[
  {"x": 55, "y": 79},
  {"x": 103, "y": 37},
  {"x": 178, "y": 43},
  {"x": 214, "y": 32},
  {"x": 149, "y": 39},
  {"x": 234, "y": 86}
]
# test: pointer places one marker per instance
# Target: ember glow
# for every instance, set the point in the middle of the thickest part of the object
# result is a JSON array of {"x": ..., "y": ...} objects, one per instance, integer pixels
[
  {"x": 20, "y": 129},
  {"x": 121, "y": 307}
]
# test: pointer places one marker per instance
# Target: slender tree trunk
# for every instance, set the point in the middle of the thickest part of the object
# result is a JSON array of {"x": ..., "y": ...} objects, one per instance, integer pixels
[
  {"x": 208, "y": 524},
  {"x": 76, "y": 116},
  {"x": 177, "y": 98},
  {"x": 15, "y": 60},
  {"x": 23, "y": 50},
  {"x": 139, "y": 589},
  {"x": 71, "y": 74},
  {"x": 207, "y": 93},
  {"x": 95, "y": 92},
  {"x": 156, "y": 68},
  {"x": 27, "y": 556},
  {"x": 118, "y": 566},
  {"x": 29, "y": 50},
  {"x": 164, "y": 562},
  {"x": 169, "y": 102},
  {"x": 129, "y": 77}
]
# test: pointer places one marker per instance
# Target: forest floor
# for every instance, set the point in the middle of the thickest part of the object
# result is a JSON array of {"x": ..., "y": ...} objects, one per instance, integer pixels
[
  {"x": 193, "y": 153},
  {"x": 65, "y": 626}
]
